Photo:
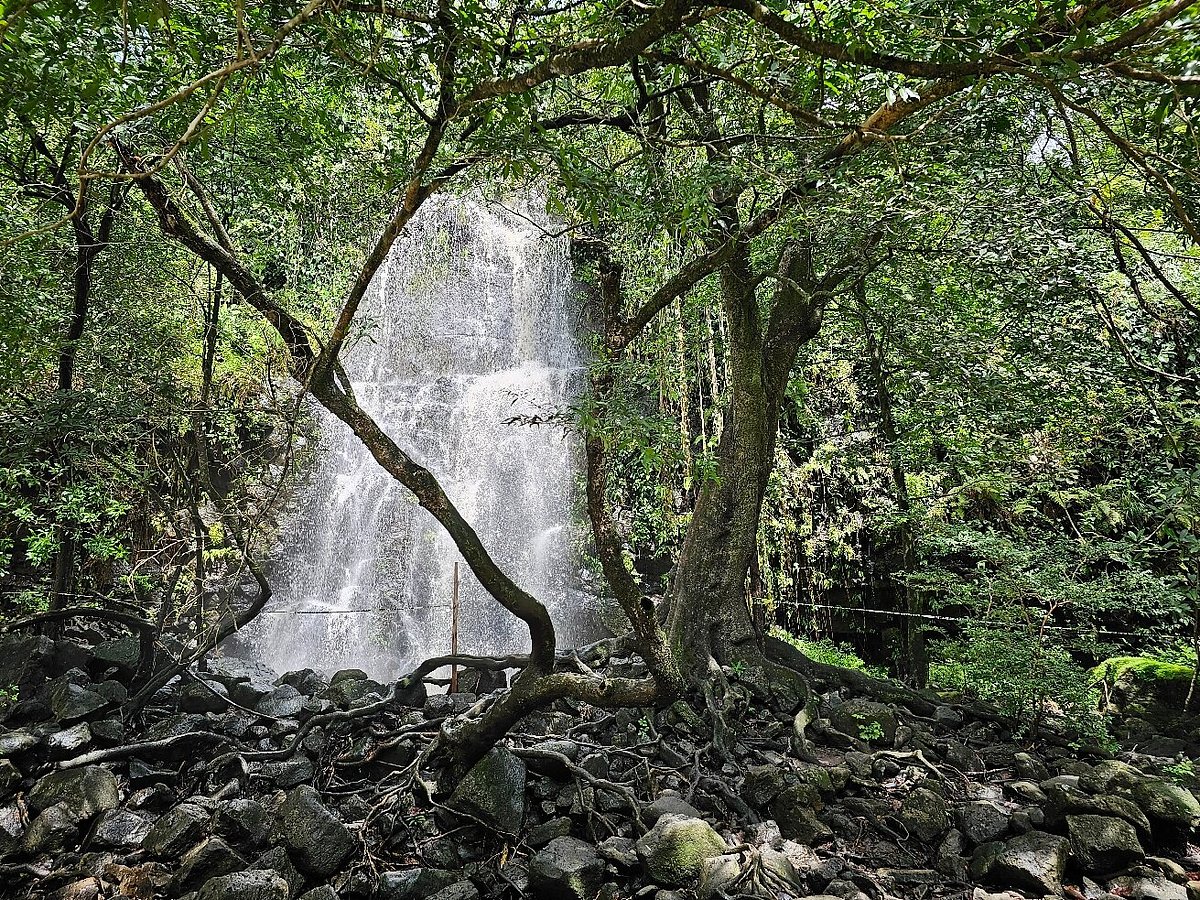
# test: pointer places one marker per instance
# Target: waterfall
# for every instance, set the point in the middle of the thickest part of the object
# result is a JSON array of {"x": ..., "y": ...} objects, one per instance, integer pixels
[{"x": 469, "y": 324}]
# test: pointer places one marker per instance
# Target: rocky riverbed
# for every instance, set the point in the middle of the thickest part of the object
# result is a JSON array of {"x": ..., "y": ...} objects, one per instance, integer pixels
[{"x": 236, "y": 785}]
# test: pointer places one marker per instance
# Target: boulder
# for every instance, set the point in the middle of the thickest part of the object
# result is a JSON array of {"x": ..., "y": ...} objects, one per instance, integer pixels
[
  {"x": 209, "y": 859},
  {"x": 13, "y": 743},
  {"x": 566, "y": 869},
  {"x": 1147, "y": 887},
  {"x": 413, "y": 884},
  {"x": 494, "y": 791},
  {"x": 924, "y": 814},
  {"x": 52, "y": 828},
  {"x": 202, "y": 697},
  {"x": 68, "y": 701},
  {"x": 252, "y": 884},
  {"x": 982, "y": 822},
  {"x": 82, "y": 793},
  {"x": 1032, "y": 862},
  {"x": 177, "y": 829},
  {"x": 668, "y": 803},
  {"x": 306, "y": 681},
  {"x": 280, "y": 703},
  {"x": 1167, "y": 804},
  {"x": 121, "y": 654},
  {"x": 316, "y": 838},
  {"x": 460, "y": 890},
  {"x": 1103, "y": 844},
  {"x": 68, "y": 742},
  {"x": 866, "y": 720},
  {"x": 674, "y": 850},
  {"x": 245, "y": 822},
  {"x": 1110, "y": 775},
  {"x": 122, "y": 829},
  {"x": 763, "y": 784}
]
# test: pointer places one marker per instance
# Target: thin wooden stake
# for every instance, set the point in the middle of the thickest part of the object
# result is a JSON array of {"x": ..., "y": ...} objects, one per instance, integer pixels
[{"x": 454, "y": 633}]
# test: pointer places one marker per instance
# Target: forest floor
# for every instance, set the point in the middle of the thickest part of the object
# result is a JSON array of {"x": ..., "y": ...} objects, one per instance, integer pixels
[{"x": 236, "y": 785}]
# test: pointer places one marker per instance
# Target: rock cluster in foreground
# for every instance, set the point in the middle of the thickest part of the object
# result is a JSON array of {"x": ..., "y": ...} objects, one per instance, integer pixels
[{"x": 236, "y": 785}]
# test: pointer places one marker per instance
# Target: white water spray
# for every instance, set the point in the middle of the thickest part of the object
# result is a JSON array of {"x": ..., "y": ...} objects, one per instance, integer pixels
[{"x": 470, "y": 324}]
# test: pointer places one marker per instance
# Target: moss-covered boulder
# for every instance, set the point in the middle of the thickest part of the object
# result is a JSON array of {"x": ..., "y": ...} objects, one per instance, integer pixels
[
  {"x": 874, "y": 723},
  {"x": 1145, "y": 687},
  {"x": 1103, "y": 844},
  {"x": 674, "y": 850},
  {"x": 494, "y": 791}
]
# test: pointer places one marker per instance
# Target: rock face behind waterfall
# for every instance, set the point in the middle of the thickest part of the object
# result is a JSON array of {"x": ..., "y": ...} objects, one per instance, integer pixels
[
  {"x": 307, "y": 789},
  {"x": 470, "y": 352}
]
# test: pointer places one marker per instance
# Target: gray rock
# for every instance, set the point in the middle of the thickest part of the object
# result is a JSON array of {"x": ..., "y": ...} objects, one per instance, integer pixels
[
  {"x": 550, "y": 767},
  {"x": 176, "y": 830},
  {"x": 122, "y": 829},
  {"x": 70, "y": 702},
  {"x": 202, "y": 697},
  {"x": 462, "y": 890},
  {"x": 288, "y": 773},
  {"x": 948, "y": 857},
  {"x": 763, "y": 784},
  {"x": 619, "y": 851},
  {"x": 52, "y": 828},
  {"x": 1032, "y": 862},
  {"x": 306, "y": 681},
  {"x": 121, "y": 654},
  {"x": 68, "y": 742},
  {"x": 16, "y": 742},
  {"x": 282, "y": 702},
  {"x": 209, "y": 859},
  {"x": 81, "y": 792},
  {"x": 924, "y": 814},
  {"x": 413, "y": 884},
  {"x": 252, "y": 884},
  {"x": 540, "y": 835},
  {"x": 324, "y": 892},
  {"x": 566, "y": 869},
  {"x": 494, "y": 791},
  {"x": 176, "y": 725},
  {"x": 1102, "y": 844},
  {"x": 669, "y": 804},
  {"x": 1026, "y": 791},
  {"x": 10, "y": 777},
  {"x": 245, "y": 822},
  {"x": 866, "y": 720},
  {"x": 317, "y": 839},
  {"x": 277, "y": 860},
  {"x": 1167, "y": 804},
  {"x": 1110, "y": 775},
  {"x": 1153, "y": 887},
  {"x": 795, "y": 811},
  {"x": 348, "y": 675},
  {"x": 674, "y": 850},
  {"x": 982, "y": 822}
]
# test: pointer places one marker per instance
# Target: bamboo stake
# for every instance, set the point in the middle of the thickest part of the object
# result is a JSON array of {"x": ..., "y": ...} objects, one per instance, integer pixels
[{"x": 454, "y": 632}]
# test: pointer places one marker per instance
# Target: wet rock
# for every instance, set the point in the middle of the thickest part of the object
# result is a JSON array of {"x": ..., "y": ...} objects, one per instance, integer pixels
[
  {"x": 68, "y": 742},
  {"x": 16, "y": 742},
  {"x": 461, "y": 890},
  {"x": 674, "y": 850},
  {"x": 81, "y": 792},
  {"x": 1032, "y": 862},
  {"x": 317, "y": 839},
  {"x": 348, "y": 675},
  {"x": 143, "y": 774},
  {"x": 1153, "y": 887},
  {"x": 252, "y": 884},
  {"x": 948, "y": 857},
  {"x": 324, "y": 892},
  {"x": 121, "y": 654},
  {"x": 1030, "y": 767},
  {"x": 982, "y": 822},
  {"x": 288, "y": 773},
  {"x": 666, "y": 804},
  {"x": 277, "y": 860},
  {"x": 540, "y": 835},
  {"x": 550, "y": 767},
  {"x": 794, "y": 811},
  {"x": 619, "y": 851},
  {"x": 866, "y": 720},
  {"x": 763, "y": 784},
  {"x": 120, "y": 828},
  {"x": 566, "y": 869},
  {"x": 108, "y": 731},
  {"x": 209, "y": 859},
  {"x": 350, "y": 691},
  {"x": 1102, "y": 844},
  {"x": 68, "y": 701},
  {"x": 50, "y": 830},
  {"x": 924, "y": 814},
  {"x": 281, "y": 702},
  {"x": 203, "y": 697},
  {"x": 176, "y": 830},
  {"x": 1110, "y": 775},
  {"x": 413, "y": 884},
  {"x": 244, "y": 822},
  {"x": 1025, "y": 791},
  {"x": 174, "y": 726},
  {"x": 494, "y": 791},
  {"x": 306, "y": 681},
  {"x": 1167, "y": 805},
  {"x": 10, "y": 777}
]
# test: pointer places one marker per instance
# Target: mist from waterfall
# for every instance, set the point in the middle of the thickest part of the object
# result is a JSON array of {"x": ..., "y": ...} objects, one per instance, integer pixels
[{"x": 470, "y": 323}]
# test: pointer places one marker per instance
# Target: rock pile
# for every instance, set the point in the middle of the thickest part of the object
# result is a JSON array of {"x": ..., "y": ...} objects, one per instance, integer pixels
[{"x": 237, "y": 785}]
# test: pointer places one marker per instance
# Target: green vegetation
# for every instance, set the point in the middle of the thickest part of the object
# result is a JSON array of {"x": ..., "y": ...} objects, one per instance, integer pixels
[{"x": 894, "y": 314}]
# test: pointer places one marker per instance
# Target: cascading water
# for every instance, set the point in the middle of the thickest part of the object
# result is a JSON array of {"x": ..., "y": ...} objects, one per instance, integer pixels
[{"x": 470, "y": 324}]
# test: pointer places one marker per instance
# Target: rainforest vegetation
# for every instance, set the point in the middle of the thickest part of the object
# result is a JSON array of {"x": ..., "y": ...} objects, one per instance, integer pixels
[{"x": 893, "y": 324}]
